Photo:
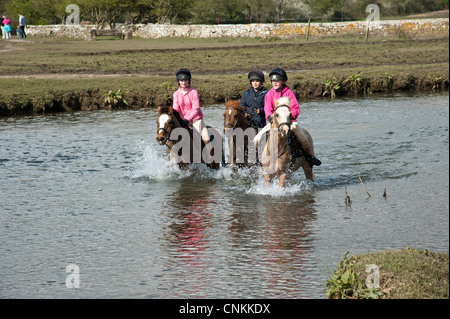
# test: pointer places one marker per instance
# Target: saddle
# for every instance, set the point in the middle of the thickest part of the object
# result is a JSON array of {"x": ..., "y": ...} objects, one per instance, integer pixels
[{"x": 185, "y": 124}]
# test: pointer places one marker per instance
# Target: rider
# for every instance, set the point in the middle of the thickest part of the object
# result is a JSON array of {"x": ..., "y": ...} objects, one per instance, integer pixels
[
  {"x": 253, "y": 99},
  {"x": 187, "y": 103},
  {"x": 278, "y": 77}
]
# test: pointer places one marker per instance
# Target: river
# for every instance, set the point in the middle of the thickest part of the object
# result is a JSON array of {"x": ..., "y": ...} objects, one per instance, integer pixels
[{"x": 89, "y": 201}]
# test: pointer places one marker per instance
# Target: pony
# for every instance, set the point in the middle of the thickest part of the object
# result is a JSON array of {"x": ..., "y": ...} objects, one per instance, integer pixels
[
  {"x": 282, "y": 154},
  {"x": 238, "y": 130},
  {"x": 182, "y": 144}
]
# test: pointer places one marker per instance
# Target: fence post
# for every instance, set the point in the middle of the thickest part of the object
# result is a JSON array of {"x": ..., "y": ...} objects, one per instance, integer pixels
[
  {"x": 307, "y": 31},
  {"x": 367, "y": 30}
]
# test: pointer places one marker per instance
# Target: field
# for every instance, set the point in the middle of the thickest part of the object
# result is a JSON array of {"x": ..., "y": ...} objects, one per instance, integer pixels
[{"x": 48, "y": 75}]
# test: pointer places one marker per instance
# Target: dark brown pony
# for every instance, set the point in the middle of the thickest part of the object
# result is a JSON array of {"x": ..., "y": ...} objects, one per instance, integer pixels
[
  {"x": 234, "y": 119},
  {"x": 167, "y": 122}
]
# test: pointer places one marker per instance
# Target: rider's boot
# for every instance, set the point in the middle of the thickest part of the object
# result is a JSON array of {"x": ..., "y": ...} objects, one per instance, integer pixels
[{"x": 298, "y": 132}]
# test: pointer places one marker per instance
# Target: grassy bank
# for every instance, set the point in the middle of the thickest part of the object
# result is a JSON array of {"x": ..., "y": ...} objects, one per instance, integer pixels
[
  {"x": 65, "y": 75},
  {"x": 403, "y": 274}
]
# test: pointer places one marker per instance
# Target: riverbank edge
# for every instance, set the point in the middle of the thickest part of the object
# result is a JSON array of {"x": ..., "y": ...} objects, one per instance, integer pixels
[
  {"x": 65, "y": 95},
  {"x": 408, "y": 273}
]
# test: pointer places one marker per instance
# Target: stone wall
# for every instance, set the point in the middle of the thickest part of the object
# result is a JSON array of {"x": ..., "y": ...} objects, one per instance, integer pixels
[{"x": 420, "y": 28}]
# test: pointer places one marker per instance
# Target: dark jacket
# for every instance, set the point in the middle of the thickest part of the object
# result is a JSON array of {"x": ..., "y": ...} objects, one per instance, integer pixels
[{"x": 255, "y": 100}]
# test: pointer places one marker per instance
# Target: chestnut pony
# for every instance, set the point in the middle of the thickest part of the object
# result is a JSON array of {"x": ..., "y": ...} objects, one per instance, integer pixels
[{"x": 239, "y": 132}]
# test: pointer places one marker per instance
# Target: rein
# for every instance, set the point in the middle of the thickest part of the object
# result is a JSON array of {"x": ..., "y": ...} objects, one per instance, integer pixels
[
  {"x": 295, "y": 151},
  {"x": 240, "y": 110},
  {"x": 280, "y": 125},
  {"x": 168, "y": 132},
  {"x": 171, "y": 124}
]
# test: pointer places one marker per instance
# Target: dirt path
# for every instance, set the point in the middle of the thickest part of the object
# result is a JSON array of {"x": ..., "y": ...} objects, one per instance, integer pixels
[
  {"x": 65, "y": 76},
  {"x": 6, "y": 45}
]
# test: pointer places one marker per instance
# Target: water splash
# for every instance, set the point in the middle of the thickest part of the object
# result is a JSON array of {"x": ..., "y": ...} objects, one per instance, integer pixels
[
  {"x": 153, "y": 165},
  {"x": 294, "y": 187}
]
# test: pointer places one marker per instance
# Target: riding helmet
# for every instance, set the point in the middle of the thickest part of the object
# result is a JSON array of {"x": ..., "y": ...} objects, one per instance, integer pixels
[
  {"x": 278, "y": 75},
  {"x": 183, "y": 74},
  {"x": 256, "y": 75}
]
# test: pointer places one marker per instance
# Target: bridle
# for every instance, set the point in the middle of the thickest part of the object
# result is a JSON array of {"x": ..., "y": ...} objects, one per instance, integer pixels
[
  {"x": 289, "y": 141},
  {"x": 231, "y": 125},
  {"x": 288, "y": 124},
  {"x": 170, "y": 123}
]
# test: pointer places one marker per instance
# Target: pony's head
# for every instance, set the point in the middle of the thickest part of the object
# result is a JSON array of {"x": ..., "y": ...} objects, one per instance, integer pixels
[
  {"x": 234, "y": 112},
  {"x": 165, "y": 123},
  {"x": 281, "y": 117}
]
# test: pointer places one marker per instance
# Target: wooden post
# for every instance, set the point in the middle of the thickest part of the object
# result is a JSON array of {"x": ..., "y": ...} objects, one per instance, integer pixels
[
  {"x": 307, "y": 31},
  {"x": 367, "y": 30}
]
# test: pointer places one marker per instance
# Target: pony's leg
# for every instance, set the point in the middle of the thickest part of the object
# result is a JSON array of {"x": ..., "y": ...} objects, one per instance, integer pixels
[
  {"x": 233, "y": 153},
  {"x": 201, "y": 128},
  {"x": 267, "y": 179},
  {"x": 282, "y": 180},
  {"x": 307, "y": 169}
]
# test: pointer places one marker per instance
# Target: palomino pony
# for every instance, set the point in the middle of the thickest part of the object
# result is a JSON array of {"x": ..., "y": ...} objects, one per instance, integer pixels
[
  {"x": 185, "y": 149},
  {"x": 281, "y": 156},
  {"x": 237, "y": 127}
]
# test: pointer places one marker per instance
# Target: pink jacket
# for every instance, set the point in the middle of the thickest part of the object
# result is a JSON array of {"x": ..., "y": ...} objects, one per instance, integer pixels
[
  {"x": 269, "y": 103},
  {"x": 187, "y": 104}
]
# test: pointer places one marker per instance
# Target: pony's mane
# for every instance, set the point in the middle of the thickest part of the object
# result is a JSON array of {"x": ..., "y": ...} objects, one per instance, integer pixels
[
  {"x": 235, "y": 104},
  {"x": 177, "y": 116},
  {"x": 164, "y": 109},
  {"x": 285, "y": 100},
  {"x": 169, "y": 110}
]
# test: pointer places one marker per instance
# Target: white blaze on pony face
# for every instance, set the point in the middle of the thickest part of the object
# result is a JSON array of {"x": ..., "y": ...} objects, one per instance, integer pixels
[
  {"x": 163, "y": 119},
  {"x": 283, "y": 114},
  {"x": 229, "y": 120}
]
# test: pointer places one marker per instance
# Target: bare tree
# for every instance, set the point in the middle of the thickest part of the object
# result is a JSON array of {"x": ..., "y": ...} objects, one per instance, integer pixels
[{"x": 280, "y": 5}]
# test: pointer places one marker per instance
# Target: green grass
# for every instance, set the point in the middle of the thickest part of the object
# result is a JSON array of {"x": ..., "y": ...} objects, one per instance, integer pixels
[
  {"x": 403, "y": 274},
  {"x": 160, "y": 57},
  {"x": 50, "y": 70}
]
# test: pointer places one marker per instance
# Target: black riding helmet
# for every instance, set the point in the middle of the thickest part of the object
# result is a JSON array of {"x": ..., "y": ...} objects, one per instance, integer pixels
[
  {"x": 183, "y": 74},
  {"x": 278, "y": 75},
  {"x": 256, "y": 75}
]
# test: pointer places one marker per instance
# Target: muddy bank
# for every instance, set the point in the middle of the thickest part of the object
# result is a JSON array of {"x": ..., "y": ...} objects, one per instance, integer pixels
[{"x": 305, "y": 85}]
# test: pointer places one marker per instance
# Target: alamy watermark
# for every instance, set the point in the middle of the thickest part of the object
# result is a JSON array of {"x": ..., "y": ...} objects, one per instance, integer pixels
[
  {"x": 374, "y": 13},
  {"x": 242, "y": 149},
  {"x": 73, "y": 279},
  {"x": 373, "y": 279},
  {"x": 74, "y": 17}
]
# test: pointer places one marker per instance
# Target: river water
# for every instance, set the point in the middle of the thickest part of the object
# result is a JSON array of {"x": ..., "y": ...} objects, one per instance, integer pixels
[{"x": 93, "y": 191}]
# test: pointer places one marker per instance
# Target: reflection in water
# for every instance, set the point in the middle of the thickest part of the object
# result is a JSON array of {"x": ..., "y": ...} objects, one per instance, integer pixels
[
  {"x": 186, "y": 236},
  {"x": 257, "y": 250},
  {"x": 288, "y": 239}
]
